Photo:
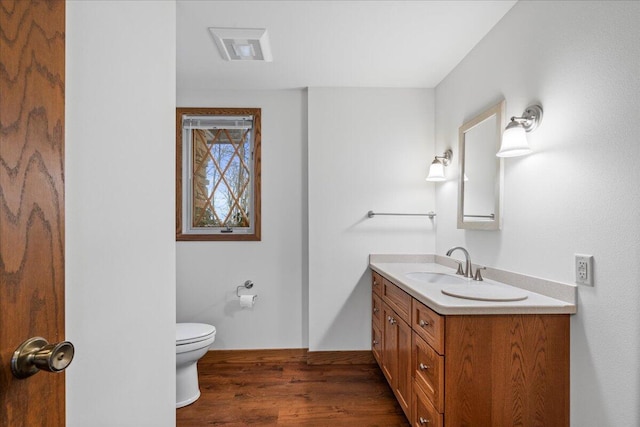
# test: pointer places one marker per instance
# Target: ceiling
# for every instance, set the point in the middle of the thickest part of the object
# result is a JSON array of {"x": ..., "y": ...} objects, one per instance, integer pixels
[{"x": 412, "y": 44}]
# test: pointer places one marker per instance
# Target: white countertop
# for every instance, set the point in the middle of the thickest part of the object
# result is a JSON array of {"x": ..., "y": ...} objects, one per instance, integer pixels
[{"x": 395, "y": 268}]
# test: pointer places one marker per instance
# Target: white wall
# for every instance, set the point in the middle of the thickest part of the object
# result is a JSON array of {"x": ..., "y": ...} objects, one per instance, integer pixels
[
  {"x": 209, "y": 272},
  {"x": 120, "y": 262},
  {"x": 578, "y": 191},
  {"x": 360, "y": 135},
  {"x": 369, "y": 149}
]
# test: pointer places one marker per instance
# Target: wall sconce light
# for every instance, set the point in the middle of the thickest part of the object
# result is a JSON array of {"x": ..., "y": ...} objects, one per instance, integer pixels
[
  {"x": 514, "y": 138},
  {"x": 436, "y": 170}
]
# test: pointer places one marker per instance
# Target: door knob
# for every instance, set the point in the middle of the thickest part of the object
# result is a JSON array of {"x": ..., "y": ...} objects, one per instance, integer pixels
[{"x": 37, "y": 354}]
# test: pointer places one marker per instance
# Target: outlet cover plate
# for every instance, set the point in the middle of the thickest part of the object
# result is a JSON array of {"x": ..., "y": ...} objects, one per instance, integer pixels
[{"x": 584, "y": 269}]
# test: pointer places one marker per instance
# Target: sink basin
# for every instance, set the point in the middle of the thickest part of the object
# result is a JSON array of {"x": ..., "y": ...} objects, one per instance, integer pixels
[
  {"x": 439, "y": 278},
  {"x": 484, "y": 292}
]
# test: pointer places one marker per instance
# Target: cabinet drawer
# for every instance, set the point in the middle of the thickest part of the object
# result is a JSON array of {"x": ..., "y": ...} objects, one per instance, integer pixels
[
  {"x": 428, "y": 372},
  {"x": 376, "y": 343},
  {"x": 376, "y": 283},
  {"x": 376, "y": 310},
  {"x": 424, "y": 414},
  {"x": 429, "y": 325},
  {"x": 398, "y": 300}
]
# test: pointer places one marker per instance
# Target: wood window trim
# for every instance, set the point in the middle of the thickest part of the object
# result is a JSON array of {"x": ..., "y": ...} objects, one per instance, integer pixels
[{"x": 257, "y": 161}]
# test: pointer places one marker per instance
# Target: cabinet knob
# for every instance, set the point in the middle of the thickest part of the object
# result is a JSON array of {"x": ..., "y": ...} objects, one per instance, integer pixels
[
  {"x": 423, "y": 367},
  {"x": 375, "y": 342},
  {"x": 392, "y": 320},
  {"x": 376, "y": 309},
  {"x": 423, "y": 323},
  {"x": 423, "y": 420}
]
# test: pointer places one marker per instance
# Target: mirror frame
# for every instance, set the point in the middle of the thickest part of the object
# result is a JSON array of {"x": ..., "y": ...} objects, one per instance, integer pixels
[{"x": 498, "y": 111}]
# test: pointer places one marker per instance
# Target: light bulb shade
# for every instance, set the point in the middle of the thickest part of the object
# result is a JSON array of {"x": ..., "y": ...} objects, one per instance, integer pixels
[
  {"x": 514, "y": 141},
  {"x": 436, "y": 171}
]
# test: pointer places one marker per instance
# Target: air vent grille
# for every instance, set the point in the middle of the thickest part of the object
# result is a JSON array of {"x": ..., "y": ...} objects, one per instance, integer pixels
[{"x": 242, "y": 44}]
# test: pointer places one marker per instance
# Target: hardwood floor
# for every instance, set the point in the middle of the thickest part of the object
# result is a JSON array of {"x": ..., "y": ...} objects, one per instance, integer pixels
[{"x": 293, "y": 394}]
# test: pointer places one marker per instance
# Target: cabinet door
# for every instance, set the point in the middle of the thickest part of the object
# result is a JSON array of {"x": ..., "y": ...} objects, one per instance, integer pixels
[
  {"x": 429, "y": 325},
  {"x": 376, "y": 310},
  {"x": 376, "y": 343},
  {"x": 398, "y": 300},
  {"x": 389, "y": 345},
  {"x": 424, "y": 414},
  {"x": 403, "y": 388},
  {"x": 428, "y": 370},
  {"x": 376, "y": 283}
]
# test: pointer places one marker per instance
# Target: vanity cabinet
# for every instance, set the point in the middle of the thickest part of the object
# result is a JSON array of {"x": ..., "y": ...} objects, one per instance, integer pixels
[{"x": 471, "y": 370}]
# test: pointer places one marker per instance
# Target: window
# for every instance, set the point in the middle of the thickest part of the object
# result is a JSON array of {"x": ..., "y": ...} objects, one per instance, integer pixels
[{"x": 218, "y": 174}]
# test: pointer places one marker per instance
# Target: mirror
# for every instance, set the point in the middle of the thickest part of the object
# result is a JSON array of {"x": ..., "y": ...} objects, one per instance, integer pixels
[{"x": 480, "y": 181}]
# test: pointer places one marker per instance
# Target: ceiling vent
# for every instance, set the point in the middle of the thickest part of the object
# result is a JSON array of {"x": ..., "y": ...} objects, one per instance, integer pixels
[{"x": 242, "y": 44}]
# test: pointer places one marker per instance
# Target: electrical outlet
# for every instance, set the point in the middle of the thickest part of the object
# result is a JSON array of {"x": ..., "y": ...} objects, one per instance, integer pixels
[{"x": 584, "y": 269}]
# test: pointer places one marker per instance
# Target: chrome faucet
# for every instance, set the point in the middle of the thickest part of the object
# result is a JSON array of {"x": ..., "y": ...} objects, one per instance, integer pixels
[{"x": 467, "y": 270}]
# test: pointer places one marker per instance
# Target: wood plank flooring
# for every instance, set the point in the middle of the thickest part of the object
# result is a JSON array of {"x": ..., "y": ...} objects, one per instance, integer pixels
[{"x": 291, "y": 394}]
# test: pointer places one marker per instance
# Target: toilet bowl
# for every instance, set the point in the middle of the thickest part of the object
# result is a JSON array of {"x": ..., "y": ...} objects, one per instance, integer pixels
[{"x": 192, "y": 342}]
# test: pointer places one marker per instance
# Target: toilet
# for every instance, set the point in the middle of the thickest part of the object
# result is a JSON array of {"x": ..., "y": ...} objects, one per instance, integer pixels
[{"x": 192, "y": 342}]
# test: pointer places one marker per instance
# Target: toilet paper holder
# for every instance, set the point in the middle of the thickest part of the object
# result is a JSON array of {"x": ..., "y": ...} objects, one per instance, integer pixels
[{"x": 247, "y": 285}]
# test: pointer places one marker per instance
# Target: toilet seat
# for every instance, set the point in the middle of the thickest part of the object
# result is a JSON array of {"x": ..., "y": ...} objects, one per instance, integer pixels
[{"x": 189, "y": 333}]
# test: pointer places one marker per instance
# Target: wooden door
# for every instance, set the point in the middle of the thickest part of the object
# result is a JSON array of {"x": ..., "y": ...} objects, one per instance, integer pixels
[{"x": 32, "y": 51}]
